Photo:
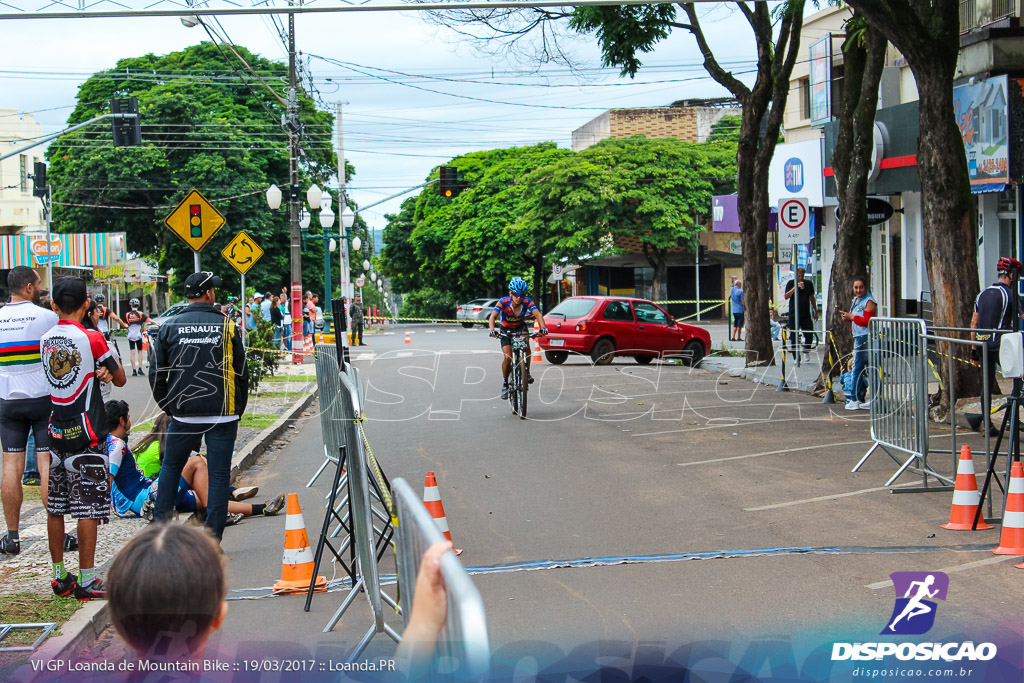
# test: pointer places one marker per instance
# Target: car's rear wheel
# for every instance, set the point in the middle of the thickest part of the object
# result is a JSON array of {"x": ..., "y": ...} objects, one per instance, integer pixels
[
  {"x": 603, "y": 352},
  {"x": 556, "y": 357},
  {"x": 643, "y": 360},
  {"x": 693, "y": 352},
  {"x": 467, "y": 325}
]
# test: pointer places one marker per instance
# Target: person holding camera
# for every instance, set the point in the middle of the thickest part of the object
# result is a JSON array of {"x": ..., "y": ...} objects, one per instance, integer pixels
[{"x": 993, "y": 310}]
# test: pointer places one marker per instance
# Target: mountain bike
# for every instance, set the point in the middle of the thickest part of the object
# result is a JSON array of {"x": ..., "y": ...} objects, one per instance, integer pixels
[{"x": 518, "y": 383}]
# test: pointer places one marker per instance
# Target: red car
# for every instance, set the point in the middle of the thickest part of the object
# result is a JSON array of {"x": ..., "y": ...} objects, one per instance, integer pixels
[{"x": 607, "y": 326}]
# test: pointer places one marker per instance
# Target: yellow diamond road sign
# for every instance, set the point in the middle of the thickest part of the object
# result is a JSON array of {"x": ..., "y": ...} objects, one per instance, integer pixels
[
  {"x": 242, "y": 252},
  {"x": 195, "y": 220}
]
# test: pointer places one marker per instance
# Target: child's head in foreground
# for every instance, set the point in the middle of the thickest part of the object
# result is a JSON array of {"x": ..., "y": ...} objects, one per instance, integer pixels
[{"x": 166, "y": 591}]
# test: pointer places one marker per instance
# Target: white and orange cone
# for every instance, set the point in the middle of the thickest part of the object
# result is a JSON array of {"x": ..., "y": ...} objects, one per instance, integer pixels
[
  {"x": 297, "y": 565},
  {"x": 966, "y": 498},
  {"x": 432, "y": 501},
  {"x": 1011, "y": 540},
  {"x": 408, "y": 339},
  {"x": 538, "y": 356}
]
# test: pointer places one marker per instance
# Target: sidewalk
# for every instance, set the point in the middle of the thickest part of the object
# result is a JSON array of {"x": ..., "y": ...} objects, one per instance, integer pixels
[
  {"x": 27, "y": 575},
  {"x": 802, "y": 377}
]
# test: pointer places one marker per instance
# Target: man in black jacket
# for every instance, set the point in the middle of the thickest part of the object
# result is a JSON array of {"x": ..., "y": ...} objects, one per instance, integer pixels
[{"x": 200, "y": 378}]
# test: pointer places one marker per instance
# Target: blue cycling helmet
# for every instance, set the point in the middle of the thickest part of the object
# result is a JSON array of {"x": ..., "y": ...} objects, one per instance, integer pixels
[{"x": 517, "y": 285}]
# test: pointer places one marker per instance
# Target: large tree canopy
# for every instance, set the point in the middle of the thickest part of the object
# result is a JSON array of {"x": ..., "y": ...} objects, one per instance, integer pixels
[
  {"x": 526, "y": 207},
  {"x": 650, "y": 190},
  {"x": 202, "y": 128}
]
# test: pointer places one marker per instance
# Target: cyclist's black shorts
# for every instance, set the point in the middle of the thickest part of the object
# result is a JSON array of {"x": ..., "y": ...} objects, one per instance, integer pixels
[
  {"x": 135, "y": 344},
  {"x": 18, "y": 416},
  {"x": 507, "y": 341}
]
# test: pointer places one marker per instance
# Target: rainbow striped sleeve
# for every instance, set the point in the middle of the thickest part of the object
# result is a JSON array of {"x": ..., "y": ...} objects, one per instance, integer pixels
[{"x": 19, "y": 353}]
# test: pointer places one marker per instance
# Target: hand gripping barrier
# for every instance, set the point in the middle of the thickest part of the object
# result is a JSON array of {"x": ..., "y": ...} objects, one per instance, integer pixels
[{"x": 464, "y": 637}]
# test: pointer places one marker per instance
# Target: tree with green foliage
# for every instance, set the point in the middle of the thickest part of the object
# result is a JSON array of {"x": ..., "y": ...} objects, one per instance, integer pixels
[
  {"x": 202, "y": 128},
  {"x": 470, "y": 245},
  {"x": 650, "y": 190},
  {"x": 927, "y": 33},
  {"x": 623, "y": 33}
]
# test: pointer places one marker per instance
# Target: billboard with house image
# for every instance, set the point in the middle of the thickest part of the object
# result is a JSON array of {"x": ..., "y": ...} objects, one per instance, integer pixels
[{"x": 981, "y": 113}]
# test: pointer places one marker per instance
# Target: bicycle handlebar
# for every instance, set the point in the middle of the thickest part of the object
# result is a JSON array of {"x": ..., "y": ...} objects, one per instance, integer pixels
[{"x": 516, "y": 333}]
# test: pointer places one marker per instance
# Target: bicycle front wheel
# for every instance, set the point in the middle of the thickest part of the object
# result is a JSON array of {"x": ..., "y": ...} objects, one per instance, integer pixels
[{"x": 513, "y": 388}]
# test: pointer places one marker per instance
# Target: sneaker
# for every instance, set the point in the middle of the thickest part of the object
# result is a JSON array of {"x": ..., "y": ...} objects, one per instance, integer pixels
[
  {"x": 529, "y": 378},
  {"x": 64, "y": 587},
  {"x": 244, "y": 493},
  {"x": 94, "y": 590},
  {"x": 70, "y": 543},
  {"x": 807, "y": 357},
  {"x": 148, "y": 507},
  {"x": 504, "y": 392},
  {"x": 9, "y": 547},
  {"x": 866, "y": 405},
  {"x": 272, "y": 507},
  {"x": 852, "y": 405},
  {"x": 233, "y": 518},
  {"x": 31, "y": 480}
]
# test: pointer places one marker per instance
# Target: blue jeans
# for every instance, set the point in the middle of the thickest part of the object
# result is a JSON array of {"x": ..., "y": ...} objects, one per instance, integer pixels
[
  {"x": 31, "y": 466},
  {"x": 860, "y": 363},
  {"x": 182, "y": 439},
  {"x": 278, "y": 331}
]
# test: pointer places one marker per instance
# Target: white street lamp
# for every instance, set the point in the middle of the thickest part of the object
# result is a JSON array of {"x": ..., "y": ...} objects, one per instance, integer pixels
[
  {"x": 373, "y": 276},
  {"x": 333, "y": 244},
  {"x": 347, "y": 217},
  {"x": 314, "y": 195},
  {"x": 327, "y": 216},
  {"x": 274, "y": 197},
  {"x": 325, "y": 201},
  {"x": 366, "y": 264},
  {"x": 356, "y": 243},
  {"x": 304, "y": 219}
]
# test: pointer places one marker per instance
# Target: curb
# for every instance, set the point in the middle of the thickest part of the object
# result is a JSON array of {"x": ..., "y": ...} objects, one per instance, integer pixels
[
  {"x": 756, "y": 375},
  {"x": 86, "y": 624}
]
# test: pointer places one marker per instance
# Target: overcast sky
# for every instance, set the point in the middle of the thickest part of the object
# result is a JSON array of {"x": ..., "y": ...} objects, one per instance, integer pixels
[{"x": 395, "y": 130}]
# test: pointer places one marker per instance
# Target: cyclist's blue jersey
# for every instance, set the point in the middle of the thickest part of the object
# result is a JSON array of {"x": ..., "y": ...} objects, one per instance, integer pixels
[{"x": 509, "y": 319}]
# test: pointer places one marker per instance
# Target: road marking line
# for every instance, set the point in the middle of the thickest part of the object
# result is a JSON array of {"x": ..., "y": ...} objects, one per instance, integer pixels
[
  {"x": 828, "y": 497},
  {"x": 949, "y": 570},
  {"x": 403, "y": 354},
  {"x": 758, "y": 455},
  {"x": 431, "y": 331},
  {"x": 451, "y": 331}
]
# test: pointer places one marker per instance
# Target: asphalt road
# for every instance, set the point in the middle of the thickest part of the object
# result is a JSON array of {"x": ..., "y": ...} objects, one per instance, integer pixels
[{"x": 689, "y": 506}]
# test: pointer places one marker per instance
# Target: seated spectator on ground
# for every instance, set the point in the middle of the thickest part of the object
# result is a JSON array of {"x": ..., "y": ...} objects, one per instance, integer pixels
[
  {"x": 134, "y": 493},
  {"x": 166, "y": 590}
]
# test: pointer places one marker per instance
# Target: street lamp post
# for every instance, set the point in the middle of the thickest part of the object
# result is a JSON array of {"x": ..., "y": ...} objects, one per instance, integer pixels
[{"x": 330, "y": 239}]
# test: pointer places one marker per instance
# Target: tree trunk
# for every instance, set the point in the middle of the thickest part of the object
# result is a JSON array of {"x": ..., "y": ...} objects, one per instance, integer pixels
[
  {"x": 752, "y": 206},
  {"x": 539, "y": 280},
  {"x": 851, "y": 161},
  {"x": 948, "y": 221},
  {"x": 659, "y": 262}
]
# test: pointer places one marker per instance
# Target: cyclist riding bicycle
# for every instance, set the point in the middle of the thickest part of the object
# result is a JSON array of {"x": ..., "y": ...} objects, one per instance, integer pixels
[
  {"x": 513, "y": 310},
  {"x": 103, "y": 325}
]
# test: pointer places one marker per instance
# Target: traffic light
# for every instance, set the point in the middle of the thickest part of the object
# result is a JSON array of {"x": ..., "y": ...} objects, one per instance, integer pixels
[
  {"x": 195, "y": 219},
  {"x": 39, "y": 180},
  {"x": 127, "y": 132},
  {"x": 702, "y": 254},
  {"x": 450, "y": 185}
]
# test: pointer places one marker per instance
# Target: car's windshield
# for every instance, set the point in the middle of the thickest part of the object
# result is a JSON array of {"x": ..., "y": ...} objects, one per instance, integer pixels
[{"x": 574, "y": 308}]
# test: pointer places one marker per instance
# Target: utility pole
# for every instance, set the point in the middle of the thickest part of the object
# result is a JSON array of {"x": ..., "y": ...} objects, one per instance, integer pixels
[
  {"x": 298, "y": 342},
  {"x": 342, "y": 204}
]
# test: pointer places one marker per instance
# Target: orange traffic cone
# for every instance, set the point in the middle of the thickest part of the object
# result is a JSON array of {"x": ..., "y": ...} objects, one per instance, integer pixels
[
  {"x": 538, "y": 356},
  {"x": 432, "y": 501},
  {"x": 965, "y": 496},
  {"x": 408, "y": 339},
  {"x": 1011, "y": 540},
  {"x": 297, "y": 565}
]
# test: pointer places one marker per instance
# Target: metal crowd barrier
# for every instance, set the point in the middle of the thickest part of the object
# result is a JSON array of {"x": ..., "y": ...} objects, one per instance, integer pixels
[
  {"x": 463, "y": 642},
  {"x": 361, "y": 520},
  {"x": 898, "y": 390},
  {"x": 328, "y": 385}
]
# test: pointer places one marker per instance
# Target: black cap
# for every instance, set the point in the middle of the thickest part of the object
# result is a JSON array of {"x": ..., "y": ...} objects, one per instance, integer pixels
[
  {"x": 69, "y": 293},
  {"x": 267, "y": 295},
  {"x": 197, "y": 284}
]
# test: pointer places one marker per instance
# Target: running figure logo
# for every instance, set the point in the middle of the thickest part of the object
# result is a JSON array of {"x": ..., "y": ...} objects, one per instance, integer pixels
[{"x": 914, "y": 613}]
